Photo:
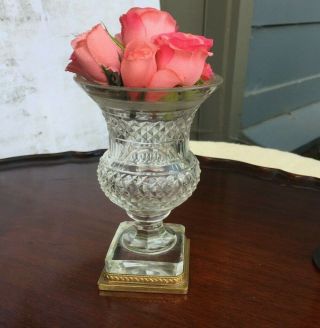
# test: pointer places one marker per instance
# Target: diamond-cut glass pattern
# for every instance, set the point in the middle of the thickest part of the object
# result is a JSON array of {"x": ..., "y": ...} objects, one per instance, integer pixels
[
  {"x": 148, "y": 170},
  {"x": 148, "y": 167}
]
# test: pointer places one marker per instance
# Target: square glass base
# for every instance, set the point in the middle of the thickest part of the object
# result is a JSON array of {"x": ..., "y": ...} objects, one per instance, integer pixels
[{"x": 159, "y": 273}]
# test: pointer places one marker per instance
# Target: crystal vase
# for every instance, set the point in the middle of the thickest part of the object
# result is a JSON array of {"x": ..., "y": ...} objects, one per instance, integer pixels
[{"x": 148, "y": 170}]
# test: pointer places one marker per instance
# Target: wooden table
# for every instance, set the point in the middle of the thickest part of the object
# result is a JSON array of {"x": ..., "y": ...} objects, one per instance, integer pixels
[{"x": 252, "y": 233}]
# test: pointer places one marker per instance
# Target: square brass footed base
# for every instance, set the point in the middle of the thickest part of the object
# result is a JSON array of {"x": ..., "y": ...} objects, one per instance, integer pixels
[{"x": 148, "y": 284}]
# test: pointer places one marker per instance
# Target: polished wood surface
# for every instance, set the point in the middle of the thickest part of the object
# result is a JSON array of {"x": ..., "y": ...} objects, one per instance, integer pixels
[{"x": 252, "y": 234}]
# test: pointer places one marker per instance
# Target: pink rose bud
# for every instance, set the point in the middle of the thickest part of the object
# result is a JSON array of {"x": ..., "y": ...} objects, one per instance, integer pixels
[
  {"x": 164, "y": 78},
  {"x": 207, "y": 72},
  {"x": 181, "y": 53},
  {"x": 92, "y": 50},
  {"x": 145, "y": 23},
  {"x": 138, "y": 64}
]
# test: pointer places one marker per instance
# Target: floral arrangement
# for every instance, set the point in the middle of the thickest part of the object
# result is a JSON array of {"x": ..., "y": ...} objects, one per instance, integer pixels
[{"x": 148, "y": 53}]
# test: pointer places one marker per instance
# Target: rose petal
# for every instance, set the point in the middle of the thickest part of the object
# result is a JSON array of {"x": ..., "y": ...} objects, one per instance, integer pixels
[
  {"x": 103, "y": 49},
  {"x": 76, "y": 68},
  {"x": 119, "y": 37},
  {"x": 157, "y": 22},
  {"x": 88, "y": 66},
  {"x": 164, "y": 78},
  {"x": 163, "y": 56},
  {"x": 138, "y": 64},
  {"x": 78, "y": 38},
  {"x": 132, "y": 27},
  {"x": 207, "y": 72}
]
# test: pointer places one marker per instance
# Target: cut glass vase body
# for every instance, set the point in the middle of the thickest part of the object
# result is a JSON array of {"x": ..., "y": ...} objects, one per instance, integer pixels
[{"x": 148, "y": 170}]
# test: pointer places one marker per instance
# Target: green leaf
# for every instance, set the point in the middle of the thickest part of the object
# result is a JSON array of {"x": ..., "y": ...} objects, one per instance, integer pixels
[
  {"x": 168, "y": 116},
  {"x": 171, "y": 96},
  {"x": 192, "y": 94},
  {"x": 200, "y": 82},
  {"x": 115, "y": 40},
  {"x": 113, "y": 78}
]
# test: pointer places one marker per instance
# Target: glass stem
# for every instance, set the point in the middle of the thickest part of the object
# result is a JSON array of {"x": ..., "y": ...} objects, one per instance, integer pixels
[
  {"x": 147, "y": 230},
  {"x": 149, "y": 235}
]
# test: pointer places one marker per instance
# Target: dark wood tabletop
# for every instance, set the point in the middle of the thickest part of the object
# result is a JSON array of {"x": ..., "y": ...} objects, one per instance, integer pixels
[{"x": 252, "y": 232}]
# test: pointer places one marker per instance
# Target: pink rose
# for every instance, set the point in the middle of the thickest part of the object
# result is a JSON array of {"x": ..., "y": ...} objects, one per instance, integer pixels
[
  {"x": 165, "y": 78},
  {"x": 145, "y": 23},
  {"x": 180, "y": 59},
  {"x": 207, "y": 72},
  {"x": 92, "y": 50},
  {"x": 138, "y": 64}
]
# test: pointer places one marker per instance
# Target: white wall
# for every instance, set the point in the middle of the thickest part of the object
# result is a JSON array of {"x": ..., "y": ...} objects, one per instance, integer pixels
[{"x": 42, "y": 110}]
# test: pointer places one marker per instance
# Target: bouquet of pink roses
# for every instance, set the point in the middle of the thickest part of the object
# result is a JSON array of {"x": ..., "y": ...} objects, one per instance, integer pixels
[{"x": 148, "y": 53}]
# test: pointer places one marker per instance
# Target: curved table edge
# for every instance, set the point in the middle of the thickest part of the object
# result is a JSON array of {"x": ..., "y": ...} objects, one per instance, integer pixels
[{"x": 79, "y": 157}]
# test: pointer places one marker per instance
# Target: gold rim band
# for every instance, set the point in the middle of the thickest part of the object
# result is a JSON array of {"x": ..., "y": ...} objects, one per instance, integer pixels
[{"x": 160, "y": 280}]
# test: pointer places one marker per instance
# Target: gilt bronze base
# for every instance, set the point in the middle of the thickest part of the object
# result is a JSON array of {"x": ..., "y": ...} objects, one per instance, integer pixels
[{"x": 148, "y": 283}]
